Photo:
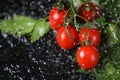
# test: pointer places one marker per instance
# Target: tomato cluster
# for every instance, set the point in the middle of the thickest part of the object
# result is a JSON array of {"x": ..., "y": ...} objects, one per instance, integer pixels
[{"x": 68, "y": 36}]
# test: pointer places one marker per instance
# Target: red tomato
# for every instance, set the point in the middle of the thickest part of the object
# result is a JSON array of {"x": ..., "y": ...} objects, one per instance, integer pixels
[
  {"x": 87, "y": 57},
  {"x": 89, "y": 12},
  {"x": 94, "y": 36},
  {"x": 67, "y": 38},
  {"x": 56, "y": 18}
]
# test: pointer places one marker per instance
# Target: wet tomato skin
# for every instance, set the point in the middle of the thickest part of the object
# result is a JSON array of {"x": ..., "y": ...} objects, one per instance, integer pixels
[
  {"x": 87, "y": 57},
  {"x": 94, "y": 36},
  {"x": 56, "y": 17},
  {"x": 67, "y": 40},
  {"x": 89, "y": 12}
]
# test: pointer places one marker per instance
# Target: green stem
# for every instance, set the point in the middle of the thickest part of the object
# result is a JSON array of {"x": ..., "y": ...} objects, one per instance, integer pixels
[
  {"x": 66, "y": 22},
  {"x": 73, "y": 11},
  {"x": 89, "y": 26}
]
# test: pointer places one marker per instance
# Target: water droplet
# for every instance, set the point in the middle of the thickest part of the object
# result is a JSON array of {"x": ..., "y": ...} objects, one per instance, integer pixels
[{"x": 4, "y": 35}]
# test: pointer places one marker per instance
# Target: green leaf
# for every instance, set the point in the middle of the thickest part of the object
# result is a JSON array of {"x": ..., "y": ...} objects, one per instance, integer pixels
[
  {"x": 110, "y": 69},
  {"x": 7, "y": 26},
  {"x": 24, "y": 24},
  {"x": 115, "y": 56},
  {"x": 41, "y": 28},
  {"x": 21, "y": 25},
  {"x": 112, "y": 34},
  {"x": 18, "y": 25},
  {"x": 100, "y": 22}
]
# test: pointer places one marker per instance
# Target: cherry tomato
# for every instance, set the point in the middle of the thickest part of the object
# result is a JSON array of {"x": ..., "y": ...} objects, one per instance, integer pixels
[
  {"x": 56, "y": 17},
  {"x": 87, "y": 57},
  {"x": 67, "y": 37},
  {"x": 93, "y": 35},
  {"x": 88, "y": 12}
]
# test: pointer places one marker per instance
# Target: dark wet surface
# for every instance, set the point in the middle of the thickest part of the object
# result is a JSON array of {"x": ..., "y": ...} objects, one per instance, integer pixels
[{"x": 42, "y": 60}]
